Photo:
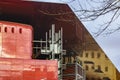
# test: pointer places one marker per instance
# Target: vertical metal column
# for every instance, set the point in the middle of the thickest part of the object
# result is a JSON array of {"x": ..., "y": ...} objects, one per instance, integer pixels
[
  {"x": 76, "y": 69},
  {"x": 46, "y": 42},
  {"x": 41, "y": 43},
  {"x": 50, "y": 41},
  {"x": 52, "y": 47},
  {"x": 61, "y": 50}
]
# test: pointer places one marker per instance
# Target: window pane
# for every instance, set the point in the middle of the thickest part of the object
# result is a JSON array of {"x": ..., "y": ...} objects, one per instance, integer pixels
[
  {"x": 106, "y": 69},
  {"x": 86, "y": 67},
  {"x": 92, "y": 67},
  {"x": 5, "y": 29},
  {"x": 92, "y": 54},
  {"x": 86, "y": 55},
  {"x": 20, "y": 30},
  {"x": 12, "y": 30},
  {"x": 99, "y": 67},
  {"x": 98, "y": 55}
]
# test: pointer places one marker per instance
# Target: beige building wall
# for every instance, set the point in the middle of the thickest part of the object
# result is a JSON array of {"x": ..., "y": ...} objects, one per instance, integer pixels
[{"x": 98, "y": 66}]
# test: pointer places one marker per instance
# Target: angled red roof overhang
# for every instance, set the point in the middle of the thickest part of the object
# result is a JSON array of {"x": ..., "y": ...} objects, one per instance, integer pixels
[{"x": 41, "y": 15}]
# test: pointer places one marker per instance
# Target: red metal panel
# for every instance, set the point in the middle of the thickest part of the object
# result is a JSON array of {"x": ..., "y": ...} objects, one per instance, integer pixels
[
  {"x": 51, "y": 70},
  {"x": 41, "y": 70},
  {"x": 29, "y": 70},
  {"x": 5, "y": 66},
  {"x": 24, "y": 69}
]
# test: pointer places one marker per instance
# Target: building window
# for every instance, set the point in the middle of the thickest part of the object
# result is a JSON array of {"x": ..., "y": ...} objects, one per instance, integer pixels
[
  {"x": 99, "y": 67},
  {"x": 12, "y": 30},
  {"x": 86, "y": 67},
  {"x": 92, "y": 54},
  {"x": 20, "y": 30},
  {"x": 86, "y": 55},
  {"x": 98, "y": 55},
  {"x": 106, "y": 69},
  {"x": 98, "y": 70},
  {"x": 92, "y": 67},
  {"x": 5, "y": 29}
]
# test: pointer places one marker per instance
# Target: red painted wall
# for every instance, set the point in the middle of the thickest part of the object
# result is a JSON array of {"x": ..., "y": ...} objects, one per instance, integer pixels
[
  {"x": 15, "y": 40},
  {"x": 26, "y": 69}
]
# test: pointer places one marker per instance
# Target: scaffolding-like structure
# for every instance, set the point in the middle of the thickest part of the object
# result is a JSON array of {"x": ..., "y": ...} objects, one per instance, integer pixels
[{"x": 52, "y": 49}]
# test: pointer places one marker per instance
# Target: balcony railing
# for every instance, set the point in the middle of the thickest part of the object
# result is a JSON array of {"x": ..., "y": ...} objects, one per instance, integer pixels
[{"x": 73, "y": 71}]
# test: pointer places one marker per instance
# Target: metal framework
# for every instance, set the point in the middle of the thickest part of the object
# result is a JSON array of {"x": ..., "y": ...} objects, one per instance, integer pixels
[{"x": 52, "y": 47}]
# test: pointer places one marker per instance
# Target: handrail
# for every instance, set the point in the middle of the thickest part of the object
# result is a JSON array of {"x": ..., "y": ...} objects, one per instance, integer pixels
[{"x": 77, "y": 71}]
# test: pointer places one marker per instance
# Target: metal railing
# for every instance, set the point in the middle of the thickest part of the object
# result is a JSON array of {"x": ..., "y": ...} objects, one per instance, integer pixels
[
  {"x": 80, "y": 73},
  {"x": 73, "y": 71}
]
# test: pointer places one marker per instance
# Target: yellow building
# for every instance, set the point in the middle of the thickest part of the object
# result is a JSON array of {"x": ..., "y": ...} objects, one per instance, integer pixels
[{"x": 98, "y": 66}]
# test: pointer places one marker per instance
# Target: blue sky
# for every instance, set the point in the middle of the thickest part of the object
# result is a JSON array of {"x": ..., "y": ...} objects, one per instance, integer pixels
[{"x": 109, "y": 43}]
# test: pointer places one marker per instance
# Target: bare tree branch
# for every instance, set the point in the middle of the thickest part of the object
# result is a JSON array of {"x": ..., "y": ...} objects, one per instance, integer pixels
[
  {"x": 108, "y": 24},
  {"x": 98, "y": 8},
  {"x": 91, "y": 10}
]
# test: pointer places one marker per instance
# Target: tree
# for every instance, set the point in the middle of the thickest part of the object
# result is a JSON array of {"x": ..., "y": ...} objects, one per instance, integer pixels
[{"x": 89, "y": 10}]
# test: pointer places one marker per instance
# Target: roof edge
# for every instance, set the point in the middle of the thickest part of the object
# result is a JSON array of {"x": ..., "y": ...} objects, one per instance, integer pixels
[{"x": 56, "y": 2}]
